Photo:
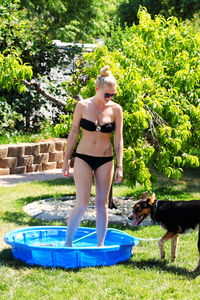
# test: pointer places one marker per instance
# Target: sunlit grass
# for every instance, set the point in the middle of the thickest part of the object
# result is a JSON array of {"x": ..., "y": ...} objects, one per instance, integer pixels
[{"x": 144, "y": 276}]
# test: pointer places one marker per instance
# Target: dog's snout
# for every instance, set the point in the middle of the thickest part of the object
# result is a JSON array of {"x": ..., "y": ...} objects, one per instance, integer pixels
[{"x": 130, "y": 217}]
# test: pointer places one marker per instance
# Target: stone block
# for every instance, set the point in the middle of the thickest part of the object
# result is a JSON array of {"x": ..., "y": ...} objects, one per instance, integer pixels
[
  {"x": 5, "y": 171},
  {"x": 3, "y": 152},
  {"x": 18, "y": 170},
  {"x": 41, "y": 158},
  {"x": 34, "y": 168},
  {"x": 15, "y": 150},
  {"x": 47, "y": 147},
  {"x": 32, "y": 149},
  {"x": 56, "y": 156},
  {"x": 26, "y": 160},
  {"x": 59, "y": 164},
  {"x": 9, "y": 162},
  {"x": 60, "y": 145},
  {"x": 49, "y": 166}
]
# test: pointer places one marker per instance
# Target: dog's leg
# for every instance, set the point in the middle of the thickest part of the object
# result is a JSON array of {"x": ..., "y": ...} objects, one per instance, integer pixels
[
  {"x": 163, "y": 240},
  {"x": 174, "y": 245},
  {"x": 198, "y": 244}
]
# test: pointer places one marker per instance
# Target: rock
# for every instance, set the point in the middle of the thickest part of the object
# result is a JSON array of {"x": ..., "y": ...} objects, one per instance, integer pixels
[{"x": 60, "y": 208}]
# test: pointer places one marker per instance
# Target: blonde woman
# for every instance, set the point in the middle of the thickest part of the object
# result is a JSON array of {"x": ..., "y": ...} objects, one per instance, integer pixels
[{"x": 98, "y": 116}]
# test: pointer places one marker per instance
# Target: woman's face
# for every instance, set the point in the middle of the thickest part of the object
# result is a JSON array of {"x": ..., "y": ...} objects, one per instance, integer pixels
[{"x": 106, "y": 93}]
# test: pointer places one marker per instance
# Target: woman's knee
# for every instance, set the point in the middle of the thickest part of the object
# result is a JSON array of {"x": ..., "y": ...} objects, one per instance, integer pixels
[
  {"x": 102, "y": 203},
  {"x": 81, "y": 205}
]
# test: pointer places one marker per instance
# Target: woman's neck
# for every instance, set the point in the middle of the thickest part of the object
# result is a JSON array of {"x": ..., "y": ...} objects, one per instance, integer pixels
[{"x": 98, "y": 104}]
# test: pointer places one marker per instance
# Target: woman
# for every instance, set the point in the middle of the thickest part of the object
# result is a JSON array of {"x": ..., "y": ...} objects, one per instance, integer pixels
[{"x": 99, "y": 116}]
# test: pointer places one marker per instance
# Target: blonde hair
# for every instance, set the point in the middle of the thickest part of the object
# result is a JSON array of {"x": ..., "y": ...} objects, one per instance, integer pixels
[{"x": 105, "y": 77}]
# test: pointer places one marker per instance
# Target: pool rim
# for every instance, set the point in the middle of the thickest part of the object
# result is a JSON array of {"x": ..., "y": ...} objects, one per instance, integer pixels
[{"x": 133, "y": 240}]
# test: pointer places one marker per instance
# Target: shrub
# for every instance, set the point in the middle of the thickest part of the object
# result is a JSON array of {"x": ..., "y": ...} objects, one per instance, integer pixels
[{"x": 156, "y": 64}]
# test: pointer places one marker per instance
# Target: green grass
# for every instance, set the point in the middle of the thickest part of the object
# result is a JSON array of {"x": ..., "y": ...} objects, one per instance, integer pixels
[{"x": 144, "y": 276}]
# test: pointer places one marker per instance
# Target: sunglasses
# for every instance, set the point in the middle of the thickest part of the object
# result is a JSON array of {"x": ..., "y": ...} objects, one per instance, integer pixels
[{"x": 107, "y": 95}]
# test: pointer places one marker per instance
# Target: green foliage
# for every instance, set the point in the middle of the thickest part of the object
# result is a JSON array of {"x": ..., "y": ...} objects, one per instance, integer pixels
[
  {"x": 7, "y": 118},
  {"x": 80, "y": 20},
  {"x": 29, "y": 37},
  {"x": 12, "y": 74},
  {"x": 15, "y": 136},
  {"x": 62, "y": 129},
  {"x": 13, "y": 71},
  {"x": 184, "y": 9},
  {"x": 156, "y": 64},
  {"x": 24, "y": 42}
]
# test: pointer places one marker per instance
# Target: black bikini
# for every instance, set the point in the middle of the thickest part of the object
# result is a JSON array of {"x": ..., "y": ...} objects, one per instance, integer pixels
[
  {"x": 91, "y": 126},
  {"x": 95, "y": 161}
]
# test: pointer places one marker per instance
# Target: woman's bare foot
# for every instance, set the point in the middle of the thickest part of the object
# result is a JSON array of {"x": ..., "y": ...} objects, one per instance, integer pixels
[{"x": 67, "y": 244}]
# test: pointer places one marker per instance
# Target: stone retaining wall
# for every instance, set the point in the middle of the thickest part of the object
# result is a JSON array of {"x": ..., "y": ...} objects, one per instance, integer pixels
[{"x": 31, "y": 157}]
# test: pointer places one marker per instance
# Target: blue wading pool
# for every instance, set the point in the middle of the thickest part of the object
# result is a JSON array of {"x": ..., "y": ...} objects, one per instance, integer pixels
[{"x": 45, "y": 246}]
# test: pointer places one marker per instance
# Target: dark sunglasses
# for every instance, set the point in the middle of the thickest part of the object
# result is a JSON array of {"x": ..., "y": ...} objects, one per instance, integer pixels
[{"x": 107, "y": 95}]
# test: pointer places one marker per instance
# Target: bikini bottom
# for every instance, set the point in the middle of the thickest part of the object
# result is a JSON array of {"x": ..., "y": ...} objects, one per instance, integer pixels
[{"x": 94, "y": 161}]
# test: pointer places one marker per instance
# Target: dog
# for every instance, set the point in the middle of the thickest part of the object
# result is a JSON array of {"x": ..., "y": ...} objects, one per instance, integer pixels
[{"x": 176, "y": 217}]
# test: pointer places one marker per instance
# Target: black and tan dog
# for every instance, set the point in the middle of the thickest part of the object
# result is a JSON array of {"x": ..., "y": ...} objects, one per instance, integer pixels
[{"x": 176, "y": 217}]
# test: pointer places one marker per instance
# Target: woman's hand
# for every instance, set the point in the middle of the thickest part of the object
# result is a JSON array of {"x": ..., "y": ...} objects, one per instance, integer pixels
[
  {"x": 118, "y": 175},
  {"x": 65, "y": 168}
]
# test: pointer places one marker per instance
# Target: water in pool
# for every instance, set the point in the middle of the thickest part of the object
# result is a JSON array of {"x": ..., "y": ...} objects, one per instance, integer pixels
[{"x": 59, "y": 242}]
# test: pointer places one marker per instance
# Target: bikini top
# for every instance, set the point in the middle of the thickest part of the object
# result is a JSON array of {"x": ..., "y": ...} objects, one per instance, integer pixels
[{"x": 91, "y": 126}]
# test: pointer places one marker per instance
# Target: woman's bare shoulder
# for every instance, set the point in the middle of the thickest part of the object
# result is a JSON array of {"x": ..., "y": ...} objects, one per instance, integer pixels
[
  {"x": 117, "y": 107},
  {"x": 84, "y": 102}
]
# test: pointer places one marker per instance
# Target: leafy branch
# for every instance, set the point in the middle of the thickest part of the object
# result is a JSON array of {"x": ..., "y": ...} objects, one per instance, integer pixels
[{"x": 44, "y": 93}]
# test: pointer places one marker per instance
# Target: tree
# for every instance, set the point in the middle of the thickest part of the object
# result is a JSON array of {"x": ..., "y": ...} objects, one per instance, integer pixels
[
  {"x": 29, "y": 39},
  {"x": 184, "y": 9},
  {"x": 156, "y": 64},
  {"x": 30, "y": 26},
  {"x": 73, "y": 21},
  {"x": 13, "y": 72}
]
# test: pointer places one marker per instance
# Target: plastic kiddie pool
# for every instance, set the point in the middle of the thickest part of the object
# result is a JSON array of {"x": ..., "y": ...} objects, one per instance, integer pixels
[{"x": 45, "y": 246}]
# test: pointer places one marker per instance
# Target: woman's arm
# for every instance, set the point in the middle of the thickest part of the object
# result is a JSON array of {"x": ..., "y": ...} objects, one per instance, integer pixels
[
  {"x": 72, "y": 138},
  {"x": 118, "y": 143}
]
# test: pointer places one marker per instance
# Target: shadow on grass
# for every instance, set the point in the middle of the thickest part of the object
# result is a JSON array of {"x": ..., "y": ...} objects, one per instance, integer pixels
[
  {"x": 161, "y": 266},
  {"x": 22, "y": 219},
  {"x": 165, "y": 192},
  {"x": 7, "y": 259},
  {"x": 27, "y": 200},
  {"x": 57, "y": 181},
  {"x": 164, "y": 187}
]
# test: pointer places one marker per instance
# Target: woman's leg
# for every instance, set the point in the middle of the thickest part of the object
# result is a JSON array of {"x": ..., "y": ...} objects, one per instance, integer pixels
[
  {"x": 83, "y": 180},
  {"x": 103, "y": 180}
]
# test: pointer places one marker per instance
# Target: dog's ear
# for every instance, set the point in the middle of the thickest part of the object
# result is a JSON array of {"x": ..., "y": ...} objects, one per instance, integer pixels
[
  {"x": 152, "y": 199},
  {"x": 144, "y": 196}
]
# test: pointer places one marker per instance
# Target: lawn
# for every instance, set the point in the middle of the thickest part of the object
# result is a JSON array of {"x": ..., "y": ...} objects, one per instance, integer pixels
[{"x": 144, "y": 276}]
